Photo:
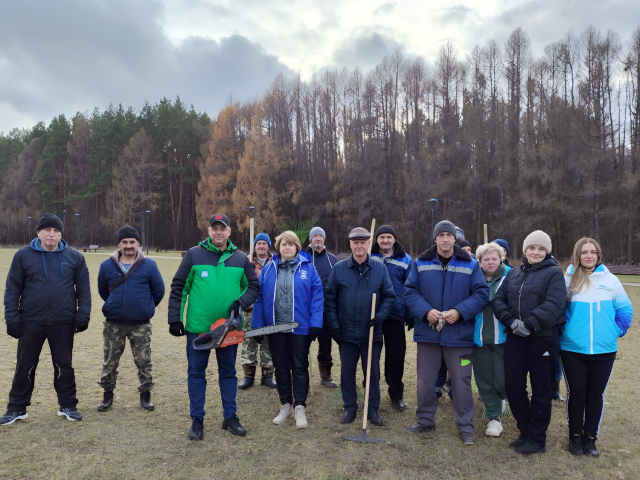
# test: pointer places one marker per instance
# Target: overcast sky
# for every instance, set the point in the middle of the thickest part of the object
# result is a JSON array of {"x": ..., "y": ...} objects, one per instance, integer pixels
[{"x": 65, "y": 56}]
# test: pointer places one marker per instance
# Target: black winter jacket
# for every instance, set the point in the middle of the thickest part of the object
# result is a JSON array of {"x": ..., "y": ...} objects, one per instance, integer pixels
[
  {"x": 347, "y": 303},
  {"x": 324, "y": 262},
  {"x": 534, "y": 294},
  {"x": 47, "y": 287}
]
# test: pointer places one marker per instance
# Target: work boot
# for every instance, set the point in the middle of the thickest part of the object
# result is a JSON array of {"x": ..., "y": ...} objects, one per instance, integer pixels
[
  {"x": 196, "y": 430},
  {"x": 590, "y": 446},
  {"x": 556, "y": 391},
  {"x": 71, "y": 413},
  {"x": 145, "y": 401},
  {"x": 232, "y": 424},
  {"x": 249, "y": 375},
  {"x": 13, "y": 415},
  {"x": 301, "y": 419},
  {"x": 107, "y": 401},
  {"x": 267, "y": 378},
  {"x": 576, "y": 446},
  {"x": 325, "y": 376}
]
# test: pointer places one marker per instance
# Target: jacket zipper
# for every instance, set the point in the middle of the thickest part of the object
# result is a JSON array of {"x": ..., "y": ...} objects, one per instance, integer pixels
[
  {"x": 526, "y": 272},
  {"x": 591, "y": 327}
]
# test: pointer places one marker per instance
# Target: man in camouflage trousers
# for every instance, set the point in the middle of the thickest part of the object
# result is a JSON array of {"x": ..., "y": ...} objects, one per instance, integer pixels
[
  {"x": 249, "y": 354},
  {"x": 131, "y": 286}
]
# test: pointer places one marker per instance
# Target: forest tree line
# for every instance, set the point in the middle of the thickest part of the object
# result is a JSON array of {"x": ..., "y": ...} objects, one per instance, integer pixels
[{"x": 502, "y": 137}]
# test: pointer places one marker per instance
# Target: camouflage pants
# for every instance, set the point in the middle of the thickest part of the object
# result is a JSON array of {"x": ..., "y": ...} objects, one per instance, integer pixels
[
  {"x": 115, "y": 338},
  {"x": 249, "y": 354}
]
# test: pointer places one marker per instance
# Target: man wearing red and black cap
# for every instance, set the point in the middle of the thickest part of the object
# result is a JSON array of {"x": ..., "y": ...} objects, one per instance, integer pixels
[{"x": 214, "y": 280}]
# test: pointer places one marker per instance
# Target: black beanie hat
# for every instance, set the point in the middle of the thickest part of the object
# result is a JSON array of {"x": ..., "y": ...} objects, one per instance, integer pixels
[
  {"x": 128, "y": 232},
  {"x": 461, "y": 242},
  {"x": 49, "y": 220},
  {"x": 385, "y": 229}
]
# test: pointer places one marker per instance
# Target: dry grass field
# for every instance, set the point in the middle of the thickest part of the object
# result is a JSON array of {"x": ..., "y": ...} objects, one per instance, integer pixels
[{"x": 128, "y": 443}]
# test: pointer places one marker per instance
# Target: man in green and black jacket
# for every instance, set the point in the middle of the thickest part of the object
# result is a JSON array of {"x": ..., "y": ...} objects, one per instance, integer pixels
[{"x": 213, "y": 280}]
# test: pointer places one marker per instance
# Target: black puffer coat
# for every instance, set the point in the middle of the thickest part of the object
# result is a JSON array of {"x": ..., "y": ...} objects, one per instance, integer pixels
[{"x": 535, "y": 294}]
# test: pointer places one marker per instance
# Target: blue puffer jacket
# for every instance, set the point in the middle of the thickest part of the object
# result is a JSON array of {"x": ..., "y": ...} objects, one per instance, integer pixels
[
  {"x": 134, "y": 301},
  {"x": 349, "y": 294},
  {"x": 597, "y": 316},
  {"x": 399, "y": 266},
  {"x": 47, "y": 287},
  {"x": 461, "y": 286},
  {"x": 308, "y": 298}
]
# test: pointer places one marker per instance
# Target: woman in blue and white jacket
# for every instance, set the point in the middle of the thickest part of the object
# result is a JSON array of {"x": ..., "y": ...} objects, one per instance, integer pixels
[
  {"x": 290, "y": 291},
  {"x": 598, "y": 312}
]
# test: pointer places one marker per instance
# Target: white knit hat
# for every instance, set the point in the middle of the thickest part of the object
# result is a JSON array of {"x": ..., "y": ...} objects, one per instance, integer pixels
[{"x": 537, "y": 238}]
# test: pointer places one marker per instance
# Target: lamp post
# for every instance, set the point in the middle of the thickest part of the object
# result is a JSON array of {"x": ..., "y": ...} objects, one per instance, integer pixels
[
  {"x": 77, "y": 243},
  {"x": 30, "y": 219},
  {"x": 433, "y": 203},
  {"x": 148, "y": 212}
]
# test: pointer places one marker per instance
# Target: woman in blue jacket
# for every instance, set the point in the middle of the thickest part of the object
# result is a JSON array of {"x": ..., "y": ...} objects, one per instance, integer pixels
[
  {"x": 290, "y": 290},
  {"x": 598, "y": 312}
]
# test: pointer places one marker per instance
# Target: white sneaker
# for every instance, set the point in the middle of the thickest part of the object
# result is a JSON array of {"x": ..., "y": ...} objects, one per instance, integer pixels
[
  {"x": 301, "y": 420},
  {"x": 285, "y": 412},
  {"x": 494, "y": 429}
]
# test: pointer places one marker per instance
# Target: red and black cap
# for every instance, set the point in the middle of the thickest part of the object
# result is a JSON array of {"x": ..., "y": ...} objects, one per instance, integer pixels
[{"x": 219, "y": 218}]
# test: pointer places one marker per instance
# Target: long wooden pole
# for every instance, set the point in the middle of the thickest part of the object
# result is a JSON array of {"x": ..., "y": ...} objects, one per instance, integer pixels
[
  {"x": 365, "y": 413},
  {"x": 486, "y": 235}
]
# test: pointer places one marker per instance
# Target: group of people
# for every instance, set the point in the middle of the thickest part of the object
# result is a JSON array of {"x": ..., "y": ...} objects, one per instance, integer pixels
[{"x": 471, "y": 315}]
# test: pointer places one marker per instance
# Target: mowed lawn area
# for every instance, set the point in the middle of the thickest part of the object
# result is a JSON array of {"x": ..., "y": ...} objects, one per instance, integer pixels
[{"x": 127, "y": 442}]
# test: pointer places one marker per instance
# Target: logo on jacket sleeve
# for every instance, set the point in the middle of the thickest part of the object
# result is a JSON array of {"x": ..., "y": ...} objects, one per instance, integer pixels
[
  {"x": 303, "y": 274},
  {"x": 204, "y": 274}
]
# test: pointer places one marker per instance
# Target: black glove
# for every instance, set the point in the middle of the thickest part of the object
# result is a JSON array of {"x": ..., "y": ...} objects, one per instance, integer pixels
[
  {"x": 176, "y": 329},
  {"x": 336, "y": 334},
  {"x": 236, "y": 323},
  {"x": 376, "y": 321},
  {"x": 15, "y": 329},
  {"x": 81, "y": 326},
  {"x": 235, "y": 309},
  {"x": 410, "y": 323},
  {"x": 315, "y": 332},
  {"x": 259, "y": 339}
]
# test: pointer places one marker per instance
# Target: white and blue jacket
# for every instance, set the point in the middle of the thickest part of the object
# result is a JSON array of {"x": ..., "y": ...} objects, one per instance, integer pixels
[
  {"x": 308, "y": 295},
  {"x": 597, "y": 317},
  {"x": 499, "y": 335},
  {"x": 399, "y": 266}
]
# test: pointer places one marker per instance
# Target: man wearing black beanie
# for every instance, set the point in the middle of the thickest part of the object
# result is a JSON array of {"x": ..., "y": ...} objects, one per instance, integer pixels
[
  {"x": 47, "y": 297},
  {"x": 131, "y": 287}
]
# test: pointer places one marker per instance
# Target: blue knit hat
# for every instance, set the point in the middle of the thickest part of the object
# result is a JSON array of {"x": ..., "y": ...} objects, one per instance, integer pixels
[
  {"x": 262, "y": 236},
  {"x": 502, "y": 243}
]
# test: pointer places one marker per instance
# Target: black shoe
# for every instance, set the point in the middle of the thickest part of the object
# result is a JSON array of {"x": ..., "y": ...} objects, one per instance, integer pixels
[
  {"x": 107, "y": 401},
  {"x": 267, "y": 382},
  {"x": 375, "y": 419},
  {"x": 329, "y": 383},
  {"x": 13, "y": 415},
  {"x": 233, "y": 425},
  {"x": 521, "y": 440},
  {"x": 196, "y": 430},
  {"x": 398, "y": 404},
  {"x": 590, "y": 446},
  {"x": 245, "y": 383},
  {"x": 529, "y": 449},
  {"x": 575, "y": 445},
  {"x": 145, "y": 401},
  {"x": 71, "y": 413},
  {"x": 348, "y": 417},
  {"x": 419, "y": 428}
]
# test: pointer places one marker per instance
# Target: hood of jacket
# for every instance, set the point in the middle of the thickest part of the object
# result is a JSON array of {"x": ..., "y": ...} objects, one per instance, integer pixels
[
  {"x": 36, "y": 244},
  {"x": 398, "y": 249},
  {"x": 548, "y": 261},
  {"x": 115, "y": 258},
  {"x": 458, "y": 252}
]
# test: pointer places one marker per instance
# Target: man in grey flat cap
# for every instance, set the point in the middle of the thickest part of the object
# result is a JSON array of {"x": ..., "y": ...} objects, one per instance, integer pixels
[{"x": 348, "y": 310}]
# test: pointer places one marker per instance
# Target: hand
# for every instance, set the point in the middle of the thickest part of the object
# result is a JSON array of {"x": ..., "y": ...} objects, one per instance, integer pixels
[
  {"x": 336, "y": 334},
  {"x": 235, "y": 309},
  {"x": 410, "y": 323},
  {"x": 15, "y": 329},
  {"x": 176, "y": 329},
  {"x": 259, "y": 339},
  {"x": 519, "y": 328},
  {"x": 375, "y": 321},
  {"x": 80, "y": 326},
  {"x": 433, "y": 315},
  {"x": 314, "y": 332},
  {"x": 236, "y": 322},
  {"x": 451, "y": 316}
]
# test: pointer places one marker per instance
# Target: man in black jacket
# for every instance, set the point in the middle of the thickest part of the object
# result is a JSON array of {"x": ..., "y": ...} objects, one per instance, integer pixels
[
  {"x": 324, "y": 262},
  {"x": 348, "y": 309},
  {"x": 47, "y": 297}
]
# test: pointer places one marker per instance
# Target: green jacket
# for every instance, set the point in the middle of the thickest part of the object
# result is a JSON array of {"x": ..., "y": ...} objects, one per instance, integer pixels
[{"x": 207, "y": 282}]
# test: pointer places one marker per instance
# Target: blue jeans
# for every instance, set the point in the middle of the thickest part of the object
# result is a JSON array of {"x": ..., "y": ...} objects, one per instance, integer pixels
[{"x": 197, "y": 382}]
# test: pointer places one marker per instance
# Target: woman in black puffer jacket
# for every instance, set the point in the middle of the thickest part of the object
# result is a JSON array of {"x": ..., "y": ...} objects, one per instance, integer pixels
[{"x": 530, "y": 304}]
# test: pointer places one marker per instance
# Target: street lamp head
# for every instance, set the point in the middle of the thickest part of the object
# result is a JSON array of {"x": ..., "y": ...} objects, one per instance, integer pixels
[
  {"x": 148, "y": 212},
  {"x": 77, "y": 215},
  {"x": 29, "y": 218},
  {"x": 433, "y": 203}
]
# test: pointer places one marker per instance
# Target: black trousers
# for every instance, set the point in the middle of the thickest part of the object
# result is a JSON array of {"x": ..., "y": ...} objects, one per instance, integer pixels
[
  {"x": 324, "y": 344},
  {"x": 290, "y": 355},
  {"x": 60, "y": 338},
  {"x": 536, "y": 357},
  {"x": 586, "y": 377},
  {"x": 350, "y": 353},
  {"x": 395, "y": 347}
]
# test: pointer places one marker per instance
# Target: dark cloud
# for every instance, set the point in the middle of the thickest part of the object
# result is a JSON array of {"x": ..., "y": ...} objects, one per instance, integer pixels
[
  {"x": 74, "y": 55},
  {"x": 365, "y": 49}
]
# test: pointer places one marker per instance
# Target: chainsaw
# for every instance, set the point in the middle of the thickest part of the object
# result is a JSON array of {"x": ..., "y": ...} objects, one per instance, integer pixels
[{"x": 221, "y": 335}]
